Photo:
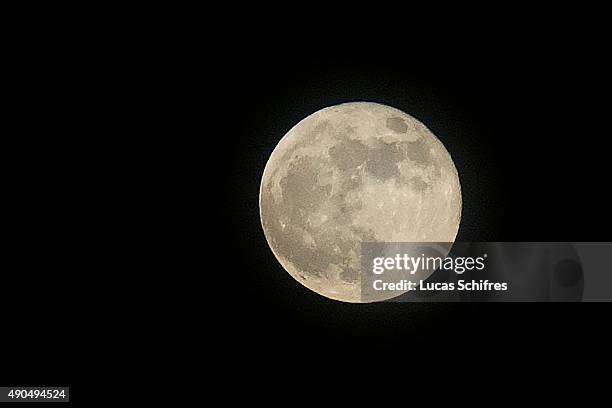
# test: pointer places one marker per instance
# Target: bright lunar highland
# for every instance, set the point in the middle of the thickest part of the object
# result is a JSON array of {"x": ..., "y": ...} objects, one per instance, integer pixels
[{"x": 352, "y": 173}]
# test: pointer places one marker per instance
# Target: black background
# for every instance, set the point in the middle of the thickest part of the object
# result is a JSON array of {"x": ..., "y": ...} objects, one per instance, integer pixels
[
  {"x": 525, "y": 122},
  {"x": 113, "y": 131}
]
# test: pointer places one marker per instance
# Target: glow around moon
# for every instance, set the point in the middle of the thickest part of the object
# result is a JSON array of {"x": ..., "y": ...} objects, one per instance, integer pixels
[{"x": 352, "y": 173}]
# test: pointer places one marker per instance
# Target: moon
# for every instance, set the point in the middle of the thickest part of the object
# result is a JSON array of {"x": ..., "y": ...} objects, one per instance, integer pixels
[{"x": 352, "y": 173}]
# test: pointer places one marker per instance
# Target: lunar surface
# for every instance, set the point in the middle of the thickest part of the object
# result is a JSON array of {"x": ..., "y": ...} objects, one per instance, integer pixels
[{"x": 352, "y": 173}]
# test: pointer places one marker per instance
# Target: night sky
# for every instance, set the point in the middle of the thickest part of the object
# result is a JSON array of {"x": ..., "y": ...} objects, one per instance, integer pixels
[{"x": 523, "y": 128}]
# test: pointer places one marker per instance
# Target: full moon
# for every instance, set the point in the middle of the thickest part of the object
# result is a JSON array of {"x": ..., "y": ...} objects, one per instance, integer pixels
[{"x": 352, "y": 173}]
